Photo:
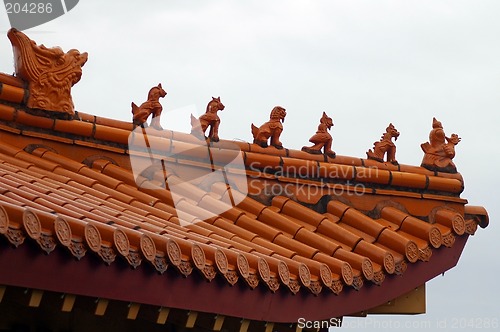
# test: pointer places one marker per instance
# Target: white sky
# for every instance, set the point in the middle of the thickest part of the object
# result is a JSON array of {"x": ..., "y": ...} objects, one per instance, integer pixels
[{"x": 366, "y": 63}]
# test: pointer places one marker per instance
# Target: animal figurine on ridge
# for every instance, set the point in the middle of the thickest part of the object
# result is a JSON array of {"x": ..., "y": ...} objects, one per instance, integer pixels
[
  {"x": 440, "y": 150},
  {"x": 385, "y": 146},
  {"x": 322, "y": 139},
  {"x": 271, "y": 129},
  {"x": 151, "y": 106},
  {"x": 209, "y": 119}
]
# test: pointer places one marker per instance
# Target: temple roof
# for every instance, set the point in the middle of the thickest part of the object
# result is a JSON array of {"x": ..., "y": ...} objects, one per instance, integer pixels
[{"x": 290, "y": 233}]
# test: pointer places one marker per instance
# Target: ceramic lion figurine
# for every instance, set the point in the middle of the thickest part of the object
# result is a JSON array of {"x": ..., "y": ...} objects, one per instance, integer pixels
[
  {"x": 385, "y": 146},
  {"x": 271, "y": 129},
  {"x": 150, "y": 106},
  {"x": 209, "y": 119},
  {"x": 322, "y": 139}
]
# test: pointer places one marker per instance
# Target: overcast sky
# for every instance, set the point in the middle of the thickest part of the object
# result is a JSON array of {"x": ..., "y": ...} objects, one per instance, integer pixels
[{"x": 365, "y": 63}]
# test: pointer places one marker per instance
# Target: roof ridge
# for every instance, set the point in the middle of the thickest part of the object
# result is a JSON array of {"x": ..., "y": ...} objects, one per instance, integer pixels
[{"x": 112, "y": 131}]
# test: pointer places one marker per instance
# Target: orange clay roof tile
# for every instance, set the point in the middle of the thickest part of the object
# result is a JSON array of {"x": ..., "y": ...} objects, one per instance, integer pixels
[
  {"x": 296, "y": 246},
  {"x": 335, "y": 231},
  {"x": 316, "y": 241},
  {"x": 12, "y": 80},
  {"x": 12, "y": 93},
  {"x": 79, "y": 128},
  {"x": 7, "y": 113},
  {"x": 279, "y": 221},
  {"x": 377, "y": 255}
]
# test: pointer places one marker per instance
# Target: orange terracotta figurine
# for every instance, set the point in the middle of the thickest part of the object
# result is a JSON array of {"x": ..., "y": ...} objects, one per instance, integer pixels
[
  {"x": 440, "y": 150},
  {"x": 210, "y": 118},
  {"x": 322, "y": 138},
  {"x": 49, "y": 72},
  {"x": 385, "y": 146},
  {"x": 271, "y": 129},
  {"x": 151, "y": 106}
]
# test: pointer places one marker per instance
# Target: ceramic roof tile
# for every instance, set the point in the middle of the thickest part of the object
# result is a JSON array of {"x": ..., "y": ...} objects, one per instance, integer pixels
[
  {"x": 377, "y": 255},
  {"x": 11, "y": 93}
]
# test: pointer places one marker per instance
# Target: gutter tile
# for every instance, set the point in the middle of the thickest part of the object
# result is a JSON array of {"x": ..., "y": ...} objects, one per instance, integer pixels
[
  {"x": 56, "y": 158},
  {"x": 357, "y": 232},
  {"x": 296, "y": 246},
  {"x": 12, "y": 80},
  {"x": 446, "y": 185},
  {"x": 377, "y": 255},
  {"x": 337, "y": 171},
  {"x": 11, "y": 93},
  {"x": 112, "y": 123},
  {"x": 354, "y": 218},
  {"x": 337, "y": 266},
  {"x": 33, "y": 120},
  {"x": 316, "y": 241},
  {"x": 258, "y": 227},
  {"x": 234, "y": 229},
  {"x": 111, "y": 134},
  {"x": 373, "y": 175},
  {"x": 275, "y": 248},
  {"x": 7, "y": 113},
  {"x": 297, "y": 154},
  {"x": 279, "y": 221},
  {"x": 45, "y": 164},
  {"x": 299, "y": 167},
  {"x": 262, "y": 161},
  {"x": 10, "y": 129},
  {"x": 75, "y": 127},
  {"x": 101, "y": 178},
  {"x": 269, "y": 151},
  {"x": 400, "y": 244},
  {"x": 337, "y": 232},
  {"x": 119, "y": 173},
  {"x": 408, "y": 180},
  {"x": 346, "y": 160},
  {"x": 299, "y": 211},
  {"x": 75, "y": 177},
  {"x": 388, "y": 224},
  {"x": 359, "y": 262},
  {"x": 450, "y": 219},
  {"x": 113, "y": 193}
]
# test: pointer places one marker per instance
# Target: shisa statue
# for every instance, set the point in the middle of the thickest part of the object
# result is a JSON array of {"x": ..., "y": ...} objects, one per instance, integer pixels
[
  {"x": 209, "y": 119},
  {"x": 49, "y": 72},
  {"x": 385, "y": 146},
  {"x": 322, "y": 139},
  {"x": 271, "y": 129},
  {"x": 440, "y": 150},
  {"x": 151, "y": 106}
]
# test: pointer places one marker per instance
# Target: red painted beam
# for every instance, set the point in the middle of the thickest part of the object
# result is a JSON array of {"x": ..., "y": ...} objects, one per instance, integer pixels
[{"x": 25, "y": 266}]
